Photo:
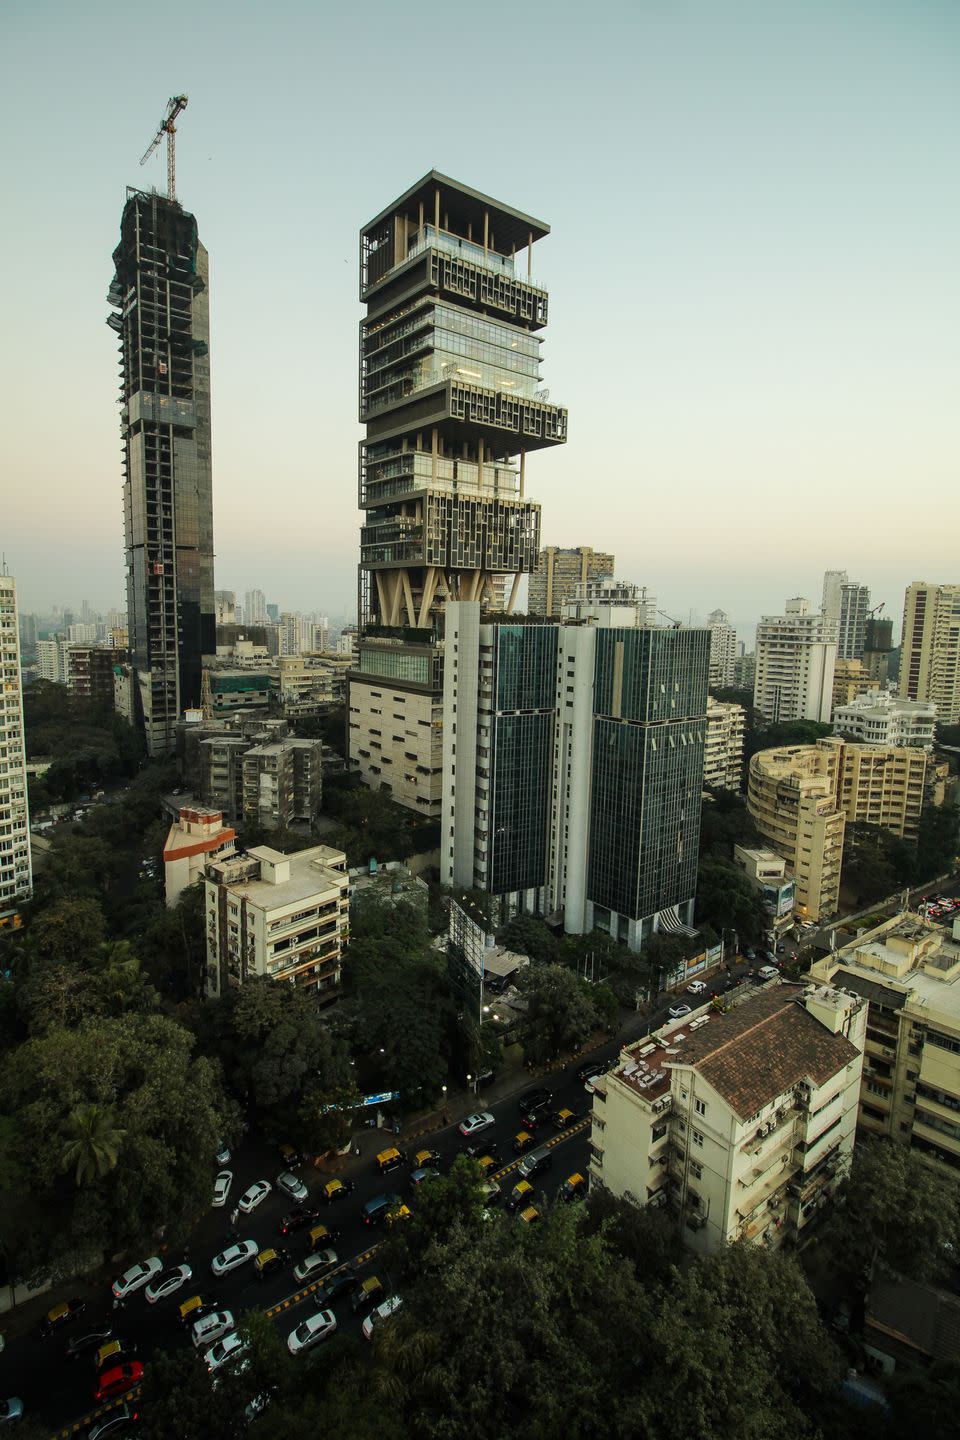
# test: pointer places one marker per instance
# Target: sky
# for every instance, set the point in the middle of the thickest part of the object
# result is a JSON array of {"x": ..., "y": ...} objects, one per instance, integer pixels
[{"x": 752, "y": 266}]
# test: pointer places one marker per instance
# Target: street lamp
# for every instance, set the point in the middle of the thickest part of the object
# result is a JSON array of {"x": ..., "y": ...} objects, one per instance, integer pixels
[
  {"x": 471, "y": 1081},
  {"x": 444, "y": 1090}
]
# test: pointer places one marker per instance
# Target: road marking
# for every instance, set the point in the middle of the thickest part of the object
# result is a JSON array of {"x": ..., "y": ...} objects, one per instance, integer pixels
[
  {"x": 300, "y": 1295},
  {"x": 98, "y": 1414},
  {"x": 550, "y": 1144}
]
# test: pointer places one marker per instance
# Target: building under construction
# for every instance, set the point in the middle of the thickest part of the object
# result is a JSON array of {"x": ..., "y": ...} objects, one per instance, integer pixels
[{"x": 161, "y": 315}]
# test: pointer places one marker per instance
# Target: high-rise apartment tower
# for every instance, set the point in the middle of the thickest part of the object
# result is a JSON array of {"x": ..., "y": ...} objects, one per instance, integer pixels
[
  {"x": 562, "y": 574},
  {"x": 451, "y": 398},
  {"x": 161, "y": 314},
  {"x": 930, "y": 648},
  {"x": 16, "y": 877}
]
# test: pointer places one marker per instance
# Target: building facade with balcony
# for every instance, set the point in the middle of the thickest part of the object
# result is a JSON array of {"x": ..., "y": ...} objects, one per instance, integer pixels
[
  {"x": 792, "y": 796},
  {"x": 741, "y": 1123},
  {"x": 725, "y": 738},
  {"x": 561, "y": 574},
  {"x": 196, "y": 836},
  {"x": 908, "y": 973},
  {"x": 723, "y": 649},
  {"x": 16, "y": 863},
  {"x": 880, "y": 785},
  {"x": 285, "y": 916},
  {"x": 930, "y": 648},
  {"x": 884, "y": 719},
  {"x": 795, "y": 658},
  {"x": 850, "y": 679}
]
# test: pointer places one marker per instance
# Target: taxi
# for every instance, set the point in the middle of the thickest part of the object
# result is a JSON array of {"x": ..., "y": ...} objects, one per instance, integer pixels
[
  {"x": 114, "y": 1352},
  {"x": 336, "y": 1190},
  {"x": 269, "y": 1260},
  {"x": 573, "y": 1188},
  {"x": 368, "y": 1293},
  {"x": 190, "y": 1310},
  {"x": 393, "y": 1217},
  {"x": 521, "y": 1194},
  {"x": 425, "y": 1158},
  {"x": 530, "y": 1215},
  {"x": 321, "y": 1238},
  {"x": 563, "y": 1119},
  {"x": 522, "y": 1141},
  {"x": 62, "y": 1314},
  {"x": 289, "y": 1156},
  {"x": 389, "y": 1159},
  {"x": 487, "y": 1163}
]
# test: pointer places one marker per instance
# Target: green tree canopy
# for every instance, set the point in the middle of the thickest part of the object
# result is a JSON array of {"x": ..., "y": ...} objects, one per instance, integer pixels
[{"x": 560, "y": 1012}]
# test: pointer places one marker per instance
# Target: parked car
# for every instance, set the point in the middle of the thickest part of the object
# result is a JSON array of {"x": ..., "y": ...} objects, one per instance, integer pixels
[
  {"x": 89, "y": 1339},
  {"x": 136, "y": 1277},
  {"x": 425, "y": 1172},
  {"x": 536, "y": 1163},
  {"x": 696, "y": 987},
  {"x": 382, "y": 1312},
  {"x": 222, "y": 1156},
  {"x": 230, "y": 1348},
  {"x": 221, "y": 1188},
  {"x": 290, "y": 1156},
  {"x": 768, "y": 972},
  {"x": 293, "y": 1186},
  {"x": 375, "y": 1210},
  {"x": 233, "y": 1256},
  {"x": 677, "y": 1012},
  {"x": 118, "y": 1380},
  {"x": 573, "y": 1188},
  {"x": 314, "y": 1266},
  {"x": 123, "y": 1421},
  {"x": 473, "y": 1124},
  {"x": 254, "y": 1196},
  {"x": 167, "y": 1283},
  {"x": 210, "y": 1328},
  {"x": 298, "y": 1218},
  {"x": 317, "y": 1327}
]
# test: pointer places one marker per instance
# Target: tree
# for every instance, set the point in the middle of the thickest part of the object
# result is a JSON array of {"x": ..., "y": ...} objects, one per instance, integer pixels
[
  {"x": 560, "y": 1012},
  {"x": 525, "y": 935},
  {"x": 867, "y": 873},
  {"x": 727, "y": 901},
  {"x": 67, "y": 932},
  {"x": 93, "y": 1143},
  {"x": 725, "y": 821}
]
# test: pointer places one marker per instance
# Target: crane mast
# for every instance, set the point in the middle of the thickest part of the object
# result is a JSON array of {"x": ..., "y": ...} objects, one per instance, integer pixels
[{"x": 175, "y": 107}]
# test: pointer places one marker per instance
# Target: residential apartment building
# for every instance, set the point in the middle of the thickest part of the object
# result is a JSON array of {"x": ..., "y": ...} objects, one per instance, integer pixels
[
  {"x": 90, "y": 671},
  {"x": 850, "y": 679},
  {"x": 723, "y": 749},
  {"x": 16, "y": 867},
  {"x": 52, "y": 659},
  {"x": 196, "y": 836},
  {"x": 225, "y": 607},
  {"x": 883, "y": 719},
  {"x": 792, "y": 796},
  {"x": 745, "y": 670},
  {"x": 723, "y": 649},
  {"x": 767, "y": 872},
  {"x": 879, "y": 784},
  {"x": 451, "y": 398},
  {"x": 795, "y": 659},
  {"x": 610, "y": 603},
  {"x": 930, "y": 648},
  {"x": 742, "y": 1124},
  {"x": 573, "y": 769},
  {"x": 161, "y": 313},
  {"x": 286, "y": 916},
  {"x": 908, "y": 972},
  {"x": 255, "y": 608},
  {"x": 561, "y": 574},
  {"x": 854, "y": 606},
  {"x": 282, "y": 783},
  {"x": 313, "y": 683}
]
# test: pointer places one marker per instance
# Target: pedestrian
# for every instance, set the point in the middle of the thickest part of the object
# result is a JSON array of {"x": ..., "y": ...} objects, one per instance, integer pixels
[{"x": 234, "y": 1216}]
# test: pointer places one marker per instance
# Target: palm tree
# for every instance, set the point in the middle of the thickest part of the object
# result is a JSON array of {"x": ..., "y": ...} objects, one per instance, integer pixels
[{"x": 94, "y": 1142}]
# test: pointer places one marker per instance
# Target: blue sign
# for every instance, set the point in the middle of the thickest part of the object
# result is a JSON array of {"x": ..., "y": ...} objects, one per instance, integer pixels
[{"x": 383, "y": 1099}]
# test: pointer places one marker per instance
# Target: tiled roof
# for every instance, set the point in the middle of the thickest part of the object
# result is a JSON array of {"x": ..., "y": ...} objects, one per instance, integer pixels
[{"x": 763, "y": 1048}]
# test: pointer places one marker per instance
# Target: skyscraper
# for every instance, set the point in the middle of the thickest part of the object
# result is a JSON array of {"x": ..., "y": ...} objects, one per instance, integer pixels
[
  {"x": 796, "y": 655},
  {"x": 723, "y": 649},
  {"x": 161, "y": 314},
  {"x": 930, "y": 648},
  {"x": 16, "y": 876},
  {"x": 450, "y": 396},
  {"x": 854, "y": 604},
  {"x": 254, "y": 608}
]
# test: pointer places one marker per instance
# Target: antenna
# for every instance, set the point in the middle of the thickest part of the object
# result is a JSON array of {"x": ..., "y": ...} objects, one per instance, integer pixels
[{"x": 175, "y": 106}]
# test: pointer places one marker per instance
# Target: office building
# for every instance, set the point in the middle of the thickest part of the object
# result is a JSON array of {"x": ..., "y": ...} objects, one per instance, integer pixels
[
  {"x": 723, "y": 649},
  {"x": 610, "y": 603},
  {"x": 742, "y": 1124},
  {"x": 930, "y": 648},
  {"x": 561, "y": 574},
  {"x": 724, "y": 744},
  {"x": 242, "y": 687},
  {"x": 286, "y": 916},
  {"x": 196, "y": 836},
  {"x": 908, "y": 972},
  {"x": 792, "y": 796},
  {"x": 850, "y": 679},
  {"x": 450, "y": 397},
  {"x": 161, "y": 315},
  {"x": 883, "y": 719},
  {"x": 796, "y": 655},
  {"x": 16, "y": 871}
]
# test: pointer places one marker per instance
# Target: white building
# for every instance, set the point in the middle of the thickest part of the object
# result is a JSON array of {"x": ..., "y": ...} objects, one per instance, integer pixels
[
  {"x": 52, "y": 659},
  {"x": 723, "y": 749},
  {"x": 198, "y": 835},
  {"x": 611, "y": 602},
  {"x": 742, "y": 1123},
  {"x": 16, "y": 873},
  {"x": 286, "y": 916},
  {"x": 723, "y": 649},
  {"x": 833, "y": 583},
  {"x": 796, "y": 655},
  {"x": 854, "y": 607},
  {"x": 884, "y": 719}
]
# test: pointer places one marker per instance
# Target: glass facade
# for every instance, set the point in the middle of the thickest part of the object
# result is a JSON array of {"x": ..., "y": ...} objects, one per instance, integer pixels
[
  {"x": 396, "y": 664},
  {"x": 524, "y": 690}
]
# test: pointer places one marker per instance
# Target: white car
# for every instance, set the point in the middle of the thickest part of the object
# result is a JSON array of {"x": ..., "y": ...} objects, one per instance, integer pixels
[
  {"x": 382, "y": 1312},
  {"x": 233, "y": 1256},
  {"x": 696, "y": 987},
  {"x": 136, "y": 1277},
  {"x": 225, "y": 1350},
  {"x": 293, "y": 1186},
  {"x": 222, "y": 1156},
  {"x": 315, "y": 1328},
  {"x": 473, "y": 1124},
  {"x": 212, "y": 1327},
  {"x": 314, "y": 1265},
  {"x": 221, "y": 1188},
  {"x": 677, "y": 1012},
  {"x": 167, "y": 1282},
  {"x": 253, "y": 1197}
]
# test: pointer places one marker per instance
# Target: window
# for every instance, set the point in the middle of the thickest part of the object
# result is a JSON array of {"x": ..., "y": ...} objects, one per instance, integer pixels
[
  {"x": 700, "y": 1106},
  {"x": 697, "y": 1137},
  {"x": 696, "y": 1170}
]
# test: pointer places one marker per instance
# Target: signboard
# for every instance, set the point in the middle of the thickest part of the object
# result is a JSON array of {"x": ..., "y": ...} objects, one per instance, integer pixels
[{"x": 383, "y": 1099}]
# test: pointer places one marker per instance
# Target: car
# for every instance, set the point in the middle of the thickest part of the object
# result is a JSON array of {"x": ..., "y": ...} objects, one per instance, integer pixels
[
  {"x": 770, "y": 957},
  {"x": 523, "y": 1140},
  {"x": 222, "y": 1156},
  {"x": 211, "y": 1327},
  {"x": 588, "y": 1073},
  {"x": 424, "y": 1172},
  {"x": 316, "y": 1327},
  {"x": 314, "y": 1266},
  {"x": 230, "y": 1348},
  {"x": 342, "y": 1284},
  {"x": 533, "y": 1104},
  {"x": 375, "y": 1210},
  {"x": 297, "y": 1218},
  {"x": 564, "y": 1118},
  {"x": 11, "y": 1409},
  {"x": 396, "y": 1214},
  {"x": 193, "y": 1307},
  {"x": 335, "y": 1190},
  {"x": 60, "y": 1315},
  {"x": 136, "y": 1277},
  {"x": 530, "y": 1215},
  {"x": 113, "y": 1352},
  {"x": 389, "y": 1159},
  {"x": 492, "y": 1193},
  {"x": 321, "y": 1236},
  {"x": 768, "y": 972},
  {"x": 167, "y": 1283},
  {"x": 221, "y": 1188},
  {"x": 696, "y": 987},
  {"x": 473, "y": 1124},
  {"x": 269, "y": 1261},
  {"x": 367, "y": 1293},
  {"x": 484, "y": 1149},
  {"x": 535, "y": 1163},
  {"x": 88, "y": 1339},
  {"x": 118, "y": 1380},
  {"x": 382, "y": 1312},
  {"x": 293, "y": 1186},
  {"x": 677, "y": 1012},
  {"x": 749, "y": 953},
  {"x": 233, "y": 1256},
  {"x": 120, "y": 1422},
  {"x": 573, "y": 1188},
  {"x": 521, "y": 1194},
  {"x": 427, "y": 1157},
  {"x": 289, "y": 1156},
  {"x": 254, "y": 1196}
]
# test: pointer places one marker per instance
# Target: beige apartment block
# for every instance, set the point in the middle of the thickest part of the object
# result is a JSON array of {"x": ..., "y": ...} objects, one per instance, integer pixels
[
  {"x": 851, "y": 679},
  {"x": 560, "y": 574},
  {"x": 908, "y": 971},
  {"x": 791, "y": 795},
  {"x": 723, "y": 747},
  {"x": 197, "y": 836},
  {"x": 796, "y": 655},
  {"x": 879, "y": 784},
  {"x": 742, "y": 1123},
  {"x": 930, "y": 648},
  {"x": 286, "y": 916},
  {"x": 396, "y": 741},
  {"x": 313, "y": 682}
]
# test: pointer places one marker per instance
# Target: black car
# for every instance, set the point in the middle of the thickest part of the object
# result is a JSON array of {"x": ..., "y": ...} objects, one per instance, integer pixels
[
  {"x": 534, "y": 1105},
  {"x": 124, "y": 1421},
  {"x": 89, "y": 1339},
  {"x": 476, "y": 1152},
  {"x": 589, "y": 1072},
  {"x": 298, "y": 1218},
  {"x": 59, "y": 1315},
  {"x": 336, "y": 1286}
]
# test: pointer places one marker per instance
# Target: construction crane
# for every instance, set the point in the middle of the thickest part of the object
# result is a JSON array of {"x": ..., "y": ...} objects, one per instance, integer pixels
[
  {"x": 875, "y": 611},
  {"x": 675, "y": 623},
  {"x": 175, "y": 106}
]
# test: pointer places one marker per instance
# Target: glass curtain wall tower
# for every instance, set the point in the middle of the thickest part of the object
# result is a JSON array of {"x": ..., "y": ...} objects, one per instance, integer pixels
[
  {"x": 161, "y": 315},
  {"x": 451, "y": 398}
]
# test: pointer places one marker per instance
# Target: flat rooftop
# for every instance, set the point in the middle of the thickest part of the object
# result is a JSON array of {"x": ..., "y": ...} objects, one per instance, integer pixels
[
  {"x": 311, "y": 871},
  {"x": 463, "y": 205}
]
